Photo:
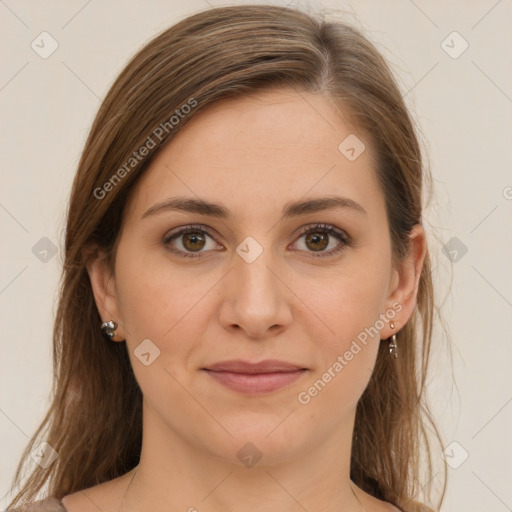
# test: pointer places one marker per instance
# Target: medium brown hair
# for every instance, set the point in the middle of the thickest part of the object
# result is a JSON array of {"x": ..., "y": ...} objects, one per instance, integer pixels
[{"x": 95, "y": 419}]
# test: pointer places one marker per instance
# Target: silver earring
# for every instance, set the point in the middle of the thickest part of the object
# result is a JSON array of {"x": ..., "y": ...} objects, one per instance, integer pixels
[
  {"x": 393, "y": 347},
  {"x": 109, "y": 328}
]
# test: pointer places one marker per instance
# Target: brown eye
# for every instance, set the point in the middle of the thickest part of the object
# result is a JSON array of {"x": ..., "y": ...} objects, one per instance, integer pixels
[
  {"x": 317, "y": 241},
  {"x": 193, "y": 241}
]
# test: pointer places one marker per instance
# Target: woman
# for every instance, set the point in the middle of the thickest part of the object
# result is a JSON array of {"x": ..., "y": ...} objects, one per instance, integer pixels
[{"x": 246, "y": 306}]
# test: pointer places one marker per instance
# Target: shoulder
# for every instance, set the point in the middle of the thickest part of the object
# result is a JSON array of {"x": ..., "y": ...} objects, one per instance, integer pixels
[
  {"x": 374, "y": 504},
  {"x": 50, "y": 504}
]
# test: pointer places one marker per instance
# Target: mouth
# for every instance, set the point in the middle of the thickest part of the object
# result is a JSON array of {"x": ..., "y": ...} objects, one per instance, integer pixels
[{"x": 255, "y": 378}]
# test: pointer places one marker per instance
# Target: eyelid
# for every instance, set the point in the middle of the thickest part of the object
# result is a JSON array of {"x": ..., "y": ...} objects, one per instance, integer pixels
[{"x": 320, "y": 226}]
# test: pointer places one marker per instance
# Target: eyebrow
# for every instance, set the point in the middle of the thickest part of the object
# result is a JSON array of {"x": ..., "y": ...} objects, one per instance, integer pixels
[{"x": 290, "y": 210}]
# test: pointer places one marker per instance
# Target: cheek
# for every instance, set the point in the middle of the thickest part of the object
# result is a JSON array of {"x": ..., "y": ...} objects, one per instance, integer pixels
[
  {"x": 143, "y": 302},
  {"x": 345, "y": 328},
  {"x": 349, "y": 300},
  {"x": 164, "y": 304},
  {"x": 154, "y": 310},
  {"x": 151, "y": 296}
]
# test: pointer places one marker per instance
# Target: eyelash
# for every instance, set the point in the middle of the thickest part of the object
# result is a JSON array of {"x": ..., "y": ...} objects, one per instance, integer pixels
[{"x": 344, "y": 239}]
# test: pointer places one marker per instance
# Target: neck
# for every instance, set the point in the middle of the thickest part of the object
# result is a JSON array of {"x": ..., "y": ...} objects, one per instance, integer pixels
[{"x": 176, "y": 474}]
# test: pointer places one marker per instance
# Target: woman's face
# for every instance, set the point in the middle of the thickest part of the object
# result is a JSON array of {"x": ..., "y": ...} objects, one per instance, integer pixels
[{"x": 258, "y": 276}]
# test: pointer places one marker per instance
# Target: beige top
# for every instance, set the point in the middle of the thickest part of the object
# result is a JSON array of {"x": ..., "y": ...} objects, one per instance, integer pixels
[{"x": 50, "y": 504}]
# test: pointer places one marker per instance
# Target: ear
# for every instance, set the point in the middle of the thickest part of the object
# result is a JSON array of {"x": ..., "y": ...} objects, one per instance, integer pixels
[
  {"x": 405, "y": 282},
  {"x": 104, "y": 290}
]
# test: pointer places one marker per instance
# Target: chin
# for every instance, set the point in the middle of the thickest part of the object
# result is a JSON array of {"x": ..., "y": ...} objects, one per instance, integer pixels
[{"x": 266, "y": 442}]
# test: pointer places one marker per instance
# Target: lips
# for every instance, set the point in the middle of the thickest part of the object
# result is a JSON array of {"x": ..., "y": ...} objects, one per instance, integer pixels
[
  {"x": 267, "y": 366},
  {"x": 254, "y": 378}
]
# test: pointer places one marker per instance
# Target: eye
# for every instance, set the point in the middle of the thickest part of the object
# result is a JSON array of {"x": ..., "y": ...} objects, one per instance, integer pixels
[
  {"x": 191, "y": 238},
  {"x": 319, "y": 237}
]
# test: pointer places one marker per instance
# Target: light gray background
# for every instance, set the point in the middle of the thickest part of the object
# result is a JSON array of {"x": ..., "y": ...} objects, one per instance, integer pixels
[{"x": 463, "y": 108}]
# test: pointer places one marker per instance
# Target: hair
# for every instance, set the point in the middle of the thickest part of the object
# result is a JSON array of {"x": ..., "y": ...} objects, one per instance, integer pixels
[{"x": 220, "y": 53}]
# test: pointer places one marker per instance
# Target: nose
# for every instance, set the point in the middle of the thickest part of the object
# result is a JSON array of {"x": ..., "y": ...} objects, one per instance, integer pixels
[{"x": 255, "y": 298}]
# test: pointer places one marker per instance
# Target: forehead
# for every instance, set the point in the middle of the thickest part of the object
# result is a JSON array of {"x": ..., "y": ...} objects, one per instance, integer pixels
[
  {"x": 271, "y": 146},
  {"x": 282, "y": 122}
]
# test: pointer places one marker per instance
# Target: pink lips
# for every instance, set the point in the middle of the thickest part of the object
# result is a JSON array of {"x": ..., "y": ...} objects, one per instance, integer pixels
[{"x": 253, "y": 378}]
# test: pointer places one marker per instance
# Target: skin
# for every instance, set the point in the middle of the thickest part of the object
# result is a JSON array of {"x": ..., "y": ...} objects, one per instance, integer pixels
[{"x": 252, "y": 154}]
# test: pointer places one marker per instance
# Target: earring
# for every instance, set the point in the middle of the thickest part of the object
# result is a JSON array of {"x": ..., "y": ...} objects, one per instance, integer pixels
[
  {"x": 109, "y": 328},
  {"x": 393, "y": 347}
]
